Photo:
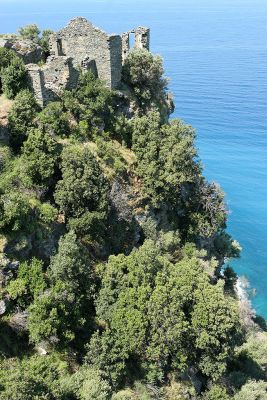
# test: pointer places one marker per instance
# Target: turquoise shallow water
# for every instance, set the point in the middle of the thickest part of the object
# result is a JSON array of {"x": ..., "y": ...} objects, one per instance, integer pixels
[{"x": 215, "y": 53}]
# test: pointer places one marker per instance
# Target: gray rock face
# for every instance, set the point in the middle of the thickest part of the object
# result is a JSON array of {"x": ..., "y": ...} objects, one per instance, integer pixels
[
  {"x": 29, "y": 51},
  {"x": 120, "y": 197},
  {"x": 18, "y": 321}
]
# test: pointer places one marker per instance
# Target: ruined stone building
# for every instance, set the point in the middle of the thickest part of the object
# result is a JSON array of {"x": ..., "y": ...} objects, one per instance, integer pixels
[{"x": 81, "y": 46}]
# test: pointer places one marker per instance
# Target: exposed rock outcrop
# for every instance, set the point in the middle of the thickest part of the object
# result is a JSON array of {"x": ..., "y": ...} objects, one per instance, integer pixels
[{"x": 26, "y": 49}]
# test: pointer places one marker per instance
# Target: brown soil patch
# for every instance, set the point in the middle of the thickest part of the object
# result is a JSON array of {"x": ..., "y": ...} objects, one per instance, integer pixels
[{"x": 5, "y": 106}]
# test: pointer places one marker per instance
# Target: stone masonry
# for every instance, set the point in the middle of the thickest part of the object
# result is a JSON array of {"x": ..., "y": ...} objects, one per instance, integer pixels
[{"x": 81, "y": 47}]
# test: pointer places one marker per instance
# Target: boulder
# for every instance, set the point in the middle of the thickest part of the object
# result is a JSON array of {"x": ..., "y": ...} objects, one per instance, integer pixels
[
  {"x": 2, "y": 307},
  {"x": 26, "y": 49}
]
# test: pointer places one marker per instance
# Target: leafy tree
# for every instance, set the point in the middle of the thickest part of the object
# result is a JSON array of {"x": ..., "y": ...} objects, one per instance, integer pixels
[
  {"x": 5, "y": 157},
  {"x": 29, "y": 284},
  {"x": 207, "y": 213},
  {"x": 54, "y": 315},
  {"x": 13, "y": 77},
  {"x": 35, "y": 377},
  {"x": 54, "y": 120},
  {"x": 215, "y": 324},
  {"x": 166, "y": 157},
  {"x": 16, "y": 213},
  {"x": 6, "y": 57},
  {"x": 71, "y": 264},
  {"x": 252, "y": 390},
  {"x": 143, "y": 72},
  {"x": 256, "y": 349},
  {"x": 91, "y": 101},
  {"x": 40, "y": 155},
  {"x": 216, "y": 393},
  {"x": 63, "y": 310},
  {"x": 30, "y": 32},
  {"x": 87, "y": 384},
  {"x": 162, "y": 316},
  {"x": 122, "y": 129},
  {"x": 83, "y": 186},
  {"x": 21, "y": 118},
  {"x": 108, "y": 355},
  {"x": 44, "y": 40}
]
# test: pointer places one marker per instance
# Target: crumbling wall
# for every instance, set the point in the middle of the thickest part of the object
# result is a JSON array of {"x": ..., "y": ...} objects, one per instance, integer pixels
[
  {"x": 48, "y": 82},
  {"x": 81, "y": 41},
  {"x": 115, "y": 47},
  {"x": 142, "y": 40},
  {"x": 81, "y": 47},
  {"x": 125, "y": 45}
]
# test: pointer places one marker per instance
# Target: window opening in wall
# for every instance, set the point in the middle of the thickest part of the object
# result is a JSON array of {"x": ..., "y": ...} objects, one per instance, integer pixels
[
  {"x": 59, "y": 47},
  {"x": 132, "y": 40}
]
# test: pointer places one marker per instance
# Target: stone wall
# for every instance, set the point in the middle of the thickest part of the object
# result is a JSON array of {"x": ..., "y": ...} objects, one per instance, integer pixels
[
  {"x": 125, "y": 45},
  {"x": 115, "y": 47},
  {"x": 81, "y": 47},
  {"x": 48, "y": 82},
  {"x": 142, "y": 40},
  {"x": 81, "y": 41}
]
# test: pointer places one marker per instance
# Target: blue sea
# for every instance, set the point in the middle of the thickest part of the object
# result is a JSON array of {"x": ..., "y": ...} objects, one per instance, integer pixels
[{"x": 215, "y": 53}]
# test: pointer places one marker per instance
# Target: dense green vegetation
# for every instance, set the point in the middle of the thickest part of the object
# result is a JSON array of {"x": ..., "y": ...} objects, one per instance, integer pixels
[
  {"x": 112, "y": 251},
  {"x": 12, "y": 73}
]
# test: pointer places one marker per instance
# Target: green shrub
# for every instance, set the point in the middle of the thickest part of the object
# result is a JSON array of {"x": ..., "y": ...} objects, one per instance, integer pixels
[
  {"x": 126, "y": 394},
  {"x": 143, "y": 72},
  {"x": 83, "y": 186},
  {"x": 216, "y": 393},
  {"x": 5, "y": 157},
  {"x": 16, "y": 213},
  {"x": 13, "y": 78},
  {"x": 44, "y": 41},
  {"x": 29, "y": 283},
  {"x": 36, "y": 377},
  {"x": 54, "y": 120},
  {"x": 92, "y": 102},
  {"x": 252, "y": 390},
  {"x": 40, "y": 154},
  {"x": 166, "y": 157},
  {"x": 21, "y": 118},
  {"x": 6, "y": 57},
  {"x": 30, "y": 32},
  {"x": 144, "y": 298}
]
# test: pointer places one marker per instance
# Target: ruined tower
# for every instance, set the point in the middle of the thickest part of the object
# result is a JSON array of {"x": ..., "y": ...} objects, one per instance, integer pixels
[
  {"x": 81, "y": 47},
  {"x": 87, "y": 45},
  {"x": 142, "y": 40}
]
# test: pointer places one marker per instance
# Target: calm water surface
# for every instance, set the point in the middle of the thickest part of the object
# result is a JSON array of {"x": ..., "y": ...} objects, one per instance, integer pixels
[{"x": 215, "y": 53}]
